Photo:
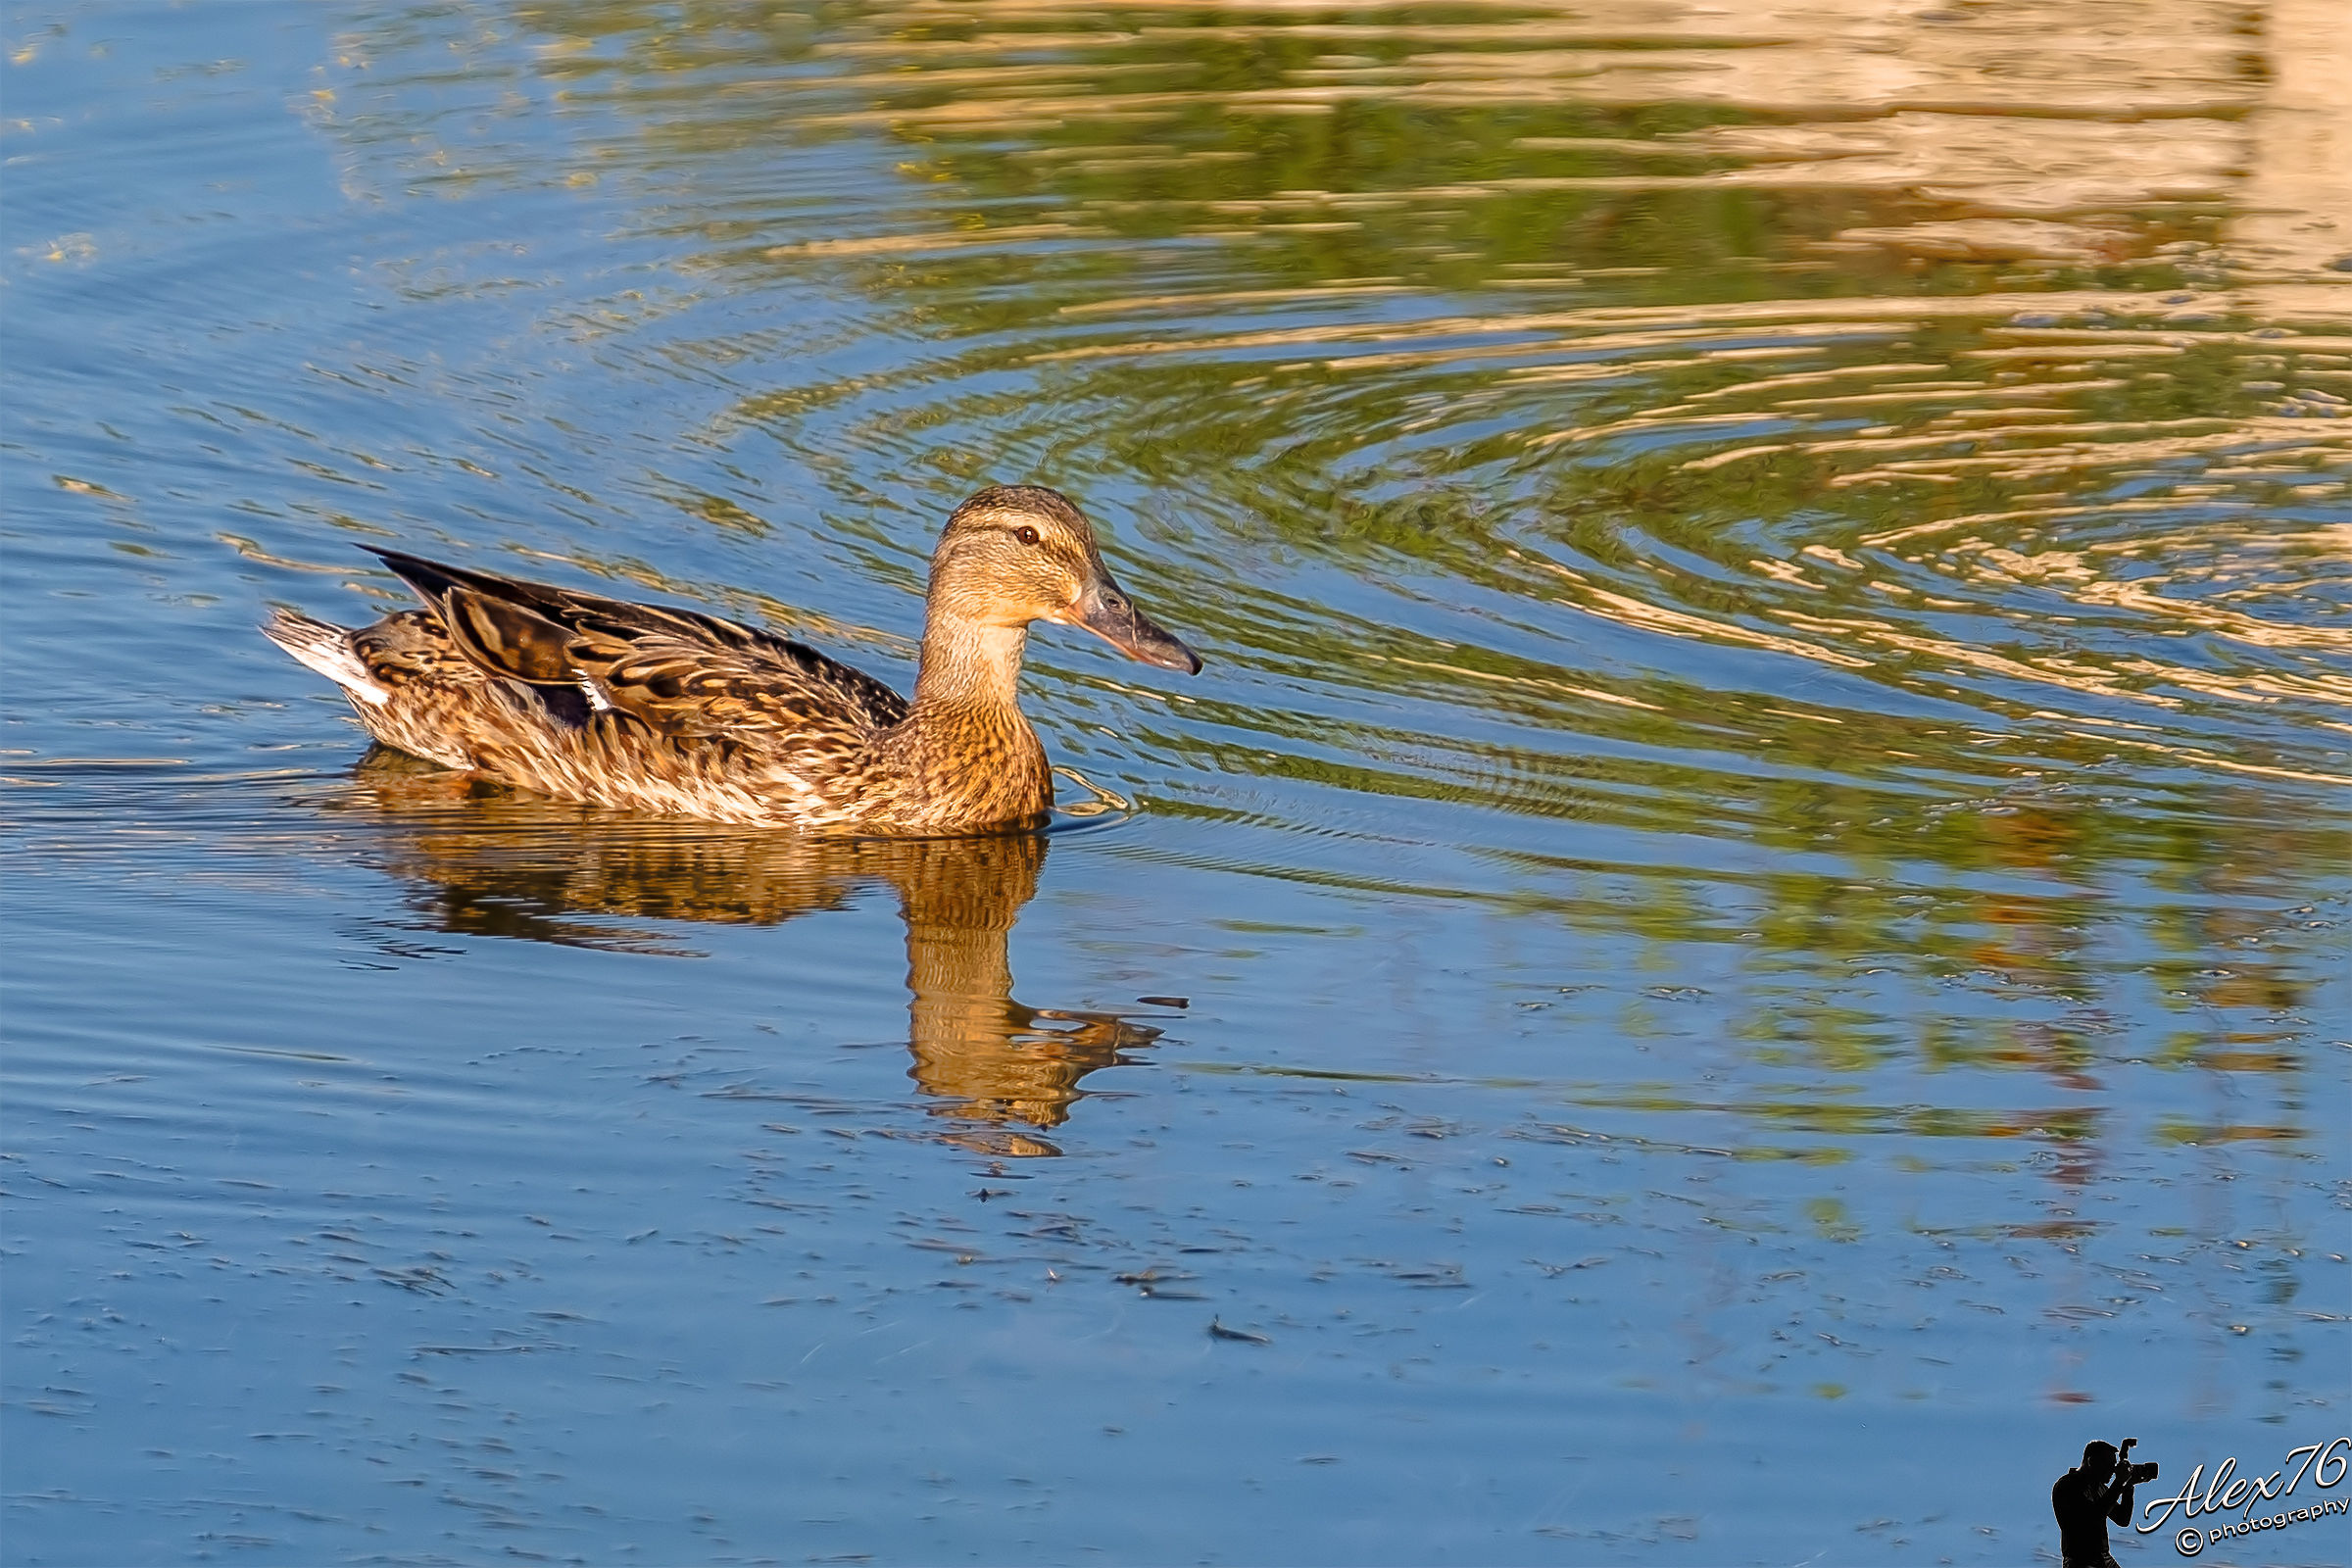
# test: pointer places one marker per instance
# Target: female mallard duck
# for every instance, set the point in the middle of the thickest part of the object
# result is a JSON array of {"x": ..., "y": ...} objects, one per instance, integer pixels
[{"x": 672, "y": 710}]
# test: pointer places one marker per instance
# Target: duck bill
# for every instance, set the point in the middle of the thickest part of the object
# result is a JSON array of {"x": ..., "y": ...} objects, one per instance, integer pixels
[{"x": 1112, "y": 616}]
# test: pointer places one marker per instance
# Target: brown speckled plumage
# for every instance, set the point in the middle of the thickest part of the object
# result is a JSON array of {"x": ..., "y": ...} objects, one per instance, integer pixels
[{"x": 676, "y": 711}]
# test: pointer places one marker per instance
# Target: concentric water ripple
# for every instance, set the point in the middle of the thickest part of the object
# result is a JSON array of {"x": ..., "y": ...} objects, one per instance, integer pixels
[{"x": 1919, "y": 426}]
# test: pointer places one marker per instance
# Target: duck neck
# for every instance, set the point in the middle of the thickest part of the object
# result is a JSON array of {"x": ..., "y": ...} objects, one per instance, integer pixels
[{"x": 969, "y": 668}]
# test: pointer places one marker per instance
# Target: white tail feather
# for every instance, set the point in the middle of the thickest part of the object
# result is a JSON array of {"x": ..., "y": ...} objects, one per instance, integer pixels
[{"x": 327, "y": 650}]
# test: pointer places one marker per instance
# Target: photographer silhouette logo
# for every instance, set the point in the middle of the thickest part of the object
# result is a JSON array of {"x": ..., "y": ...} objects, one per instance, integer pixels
[{"x": 2091, "y": 1495}]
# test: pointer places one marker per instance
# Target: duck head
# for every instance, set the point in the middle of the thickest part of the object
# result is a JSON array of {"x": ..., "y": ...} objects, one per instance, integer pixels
[{"x": 1018, "y": 552}]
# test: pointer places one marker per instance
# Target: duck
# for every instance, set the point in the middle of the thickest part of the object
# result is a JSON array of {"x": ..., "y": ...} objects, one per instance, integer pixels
[{"x": 676, "y": 711}]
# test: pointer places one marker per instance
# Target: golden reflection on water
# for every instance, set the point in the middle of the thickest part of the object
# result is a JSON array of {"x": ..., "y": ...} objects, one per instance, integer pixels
[{"x": 482, "y": 861}]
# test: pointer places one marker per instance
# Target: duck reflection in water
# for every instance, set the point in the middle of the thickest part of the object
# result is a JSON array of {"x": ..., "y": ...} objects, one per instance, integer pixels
[{"x": 488, "y": 862}]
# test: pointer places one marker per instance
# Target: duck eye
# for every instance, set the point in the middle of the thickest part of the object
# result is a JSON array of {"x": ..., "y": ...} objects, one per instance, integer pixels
[{"x": 1025, "y": 535}]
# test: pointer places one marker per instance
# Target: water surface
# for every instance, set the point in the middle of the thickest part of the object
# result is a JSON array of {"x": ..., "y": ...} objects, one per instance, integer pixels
[{"x": 1740, "y": 947}]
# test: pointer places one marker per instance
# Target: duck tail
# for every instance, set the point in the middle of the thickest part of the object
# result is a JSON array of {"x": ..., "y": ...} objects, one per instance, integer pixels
[{"x": 326, "y": 649}]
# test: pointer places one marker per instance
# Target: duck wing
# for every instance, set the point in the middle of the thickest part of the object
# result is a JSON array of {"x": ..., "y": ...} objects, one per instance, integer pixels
[{"x": 683, "y": 673}]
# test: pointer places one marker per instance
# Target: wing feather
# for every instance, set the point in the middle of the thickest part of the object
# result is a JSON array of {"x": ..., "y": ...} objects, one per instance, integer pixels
[{"x": 683, "y": 672}]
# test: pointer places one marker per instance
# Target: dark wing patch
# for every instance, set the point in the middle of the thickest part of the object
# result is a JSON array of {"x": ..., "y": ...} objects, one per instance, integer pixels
[
  {"x": 506, "y": 639},
  {"x": 432, "y": 579}
]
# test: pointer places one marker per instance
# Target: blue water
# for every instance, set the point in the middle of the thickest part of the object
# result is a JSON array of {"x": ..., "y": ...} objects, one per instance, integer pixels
[{"x": 1645, "y": 1009}]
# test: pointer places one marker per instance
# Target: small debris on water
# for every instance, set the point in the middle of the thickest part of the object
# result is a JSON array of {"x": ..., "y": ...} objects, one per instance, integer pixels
[
  {"x": 1218, "y": 1331},
  {"x": 1165, "y": 1001},
  {"x": 1158, "y": 1292}
]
